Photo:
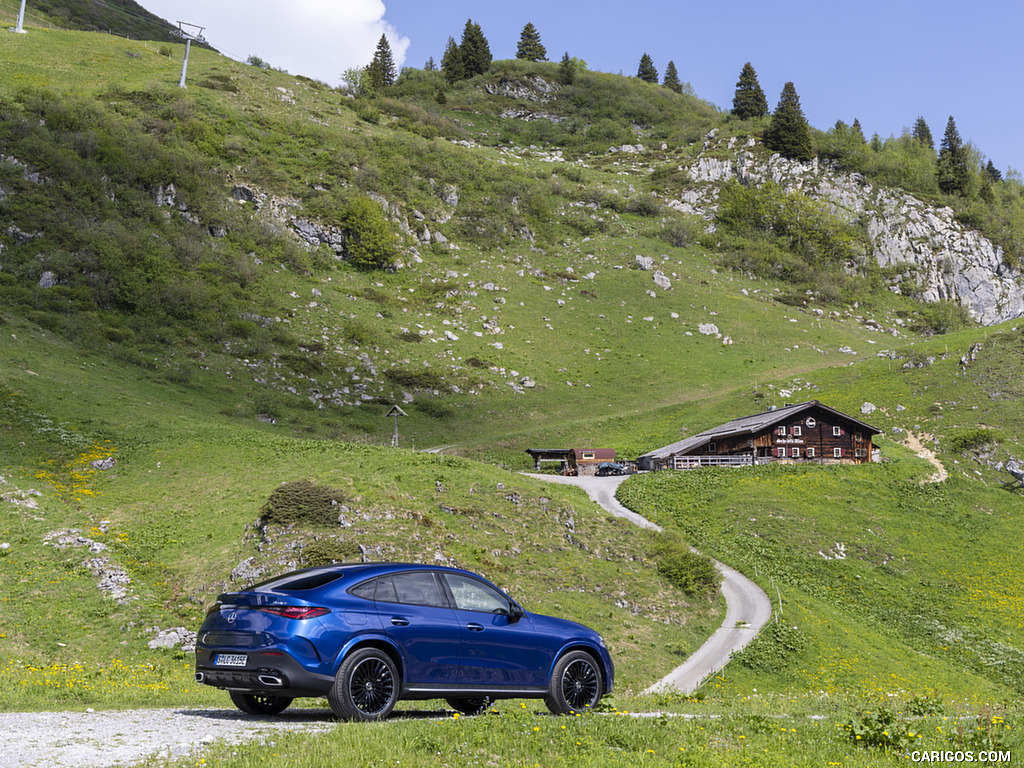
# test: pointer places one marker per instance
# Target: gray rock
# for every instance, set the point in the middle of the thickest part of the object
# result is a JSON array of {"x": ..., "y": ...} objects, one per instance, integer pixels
[
  {"x": 47, "y": 280},
  {"x": 645, "y": 263},
  {"x": 708, "y": 329},
  {"x": 662, "y": 281},
  {"x": 168, "y": 639},
  {"x": 868, "y": 408}
]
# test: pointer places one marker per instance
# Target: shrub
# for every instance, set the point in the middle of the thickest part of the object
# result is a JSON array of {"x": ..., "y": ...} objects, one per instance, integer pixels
[
  {"x": 302, "y": 501},
  {"x": 881, "y": 729},
  {"x": 971, "y": 438},
  {"x": 774, "y": 650},
  {"x": 942, "y": 317},
  {"x": 327, "y": 551},
  {"x": 693, "y": 573},
  {"x": 370, "y": 242}
]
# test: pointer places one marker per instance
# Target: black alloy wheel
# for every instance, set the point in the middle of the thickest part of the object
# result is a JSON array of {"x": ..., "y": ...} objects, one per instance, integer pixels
[
  {"x": 366, "y": 686},
  {"x": 575, "y": 684}
]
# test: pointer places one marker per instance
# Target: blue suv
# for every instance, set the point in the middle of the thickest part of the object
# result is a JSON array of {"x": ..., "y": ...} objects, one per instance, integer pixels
[{"x": 367, "y": 635}]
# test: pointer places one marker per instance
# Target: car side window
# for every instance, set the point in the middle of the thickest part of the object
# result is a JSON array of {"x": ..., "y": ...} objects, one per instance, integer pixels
[
  {"x": 473, "y": 595},
  {"x": 415, "y": 588},
  {"x": 364, "y": 590}
]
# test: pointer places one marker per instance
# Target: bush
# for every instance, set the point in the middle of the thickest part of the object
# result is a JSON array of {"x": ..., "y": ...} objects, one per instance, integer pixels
[
  {"x": 302, "y": 502},
  {"x": 693, "y": 573},
  {"x": 370, "y": 242},
  {"x": 327, "y": 551},
  {"x": 971, "y": 438},
  {"x": 774, "y": 650}
]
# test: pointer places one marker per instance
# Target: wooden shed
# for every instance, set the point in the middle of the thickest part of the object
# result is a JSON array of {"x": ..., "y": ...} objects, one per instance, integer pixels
[{"x": 805, "y": 432}]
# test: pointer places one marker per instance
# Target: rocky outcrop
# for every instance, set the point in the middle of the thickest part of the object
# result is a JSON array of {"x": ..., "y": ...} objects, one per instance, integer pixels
[{"x": 925, "y": 244}]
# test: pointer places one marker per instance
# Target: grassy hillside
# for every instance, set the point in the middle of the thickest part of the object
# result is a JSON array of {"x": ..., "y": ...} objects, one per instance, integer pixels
[
  {"x": 125, "y": 18},
  {"x": 192, "y": 336}
]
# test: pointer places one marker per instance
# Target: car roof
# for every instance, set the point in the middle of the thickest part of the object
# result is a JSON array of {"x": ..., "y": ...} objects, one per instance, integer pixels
[{"x": 360, "y": 570}]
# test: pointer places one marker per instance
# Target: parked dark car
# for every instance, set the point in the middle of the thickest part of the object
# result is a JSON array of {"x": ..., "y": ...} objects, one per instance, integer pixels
[
  {"x": 611, "y": 468},
  {"x": 368, "y": 635}
]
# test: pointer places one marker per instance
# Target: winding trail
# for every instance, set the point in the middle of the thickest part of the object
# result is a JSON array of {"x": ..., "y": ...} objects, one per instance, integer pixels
[{"x": 747, "y": 610}]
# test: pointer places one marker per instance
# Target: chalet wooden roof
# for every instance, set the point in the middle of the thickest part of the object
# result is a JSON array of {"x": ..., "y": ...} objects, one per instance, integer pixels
[
  {"x": 749, "y": 425},
  {"x": 600, "y": 454}
]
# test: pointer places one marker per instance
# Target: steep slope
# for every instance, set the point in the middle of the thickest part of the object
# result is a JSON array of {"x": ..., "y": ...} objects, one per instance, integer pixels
[{"x": 119, "y": 17}]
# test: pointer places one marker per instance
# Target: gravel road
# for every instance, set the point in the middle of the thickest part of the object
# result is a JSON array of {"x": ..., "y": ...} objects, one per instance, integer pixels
[
  {"x": 747, "y": 606},
  {"x": 135, "y": 736}
]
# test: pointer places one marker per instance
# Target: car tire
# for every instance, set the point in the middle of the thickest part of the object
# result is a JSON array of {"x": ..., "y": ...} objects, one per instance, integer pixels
[
  {"x": 366, "y": 686},
  {"x": 260, "y": 703},
  {"x": 470, "y": 706},
  {"x": 576, "y": 684}
]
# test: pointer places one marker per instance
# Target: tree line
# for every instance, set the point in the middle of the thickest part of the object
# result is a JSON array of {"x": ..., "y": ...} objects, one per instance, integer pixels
[{"x": 787, "y": 131}]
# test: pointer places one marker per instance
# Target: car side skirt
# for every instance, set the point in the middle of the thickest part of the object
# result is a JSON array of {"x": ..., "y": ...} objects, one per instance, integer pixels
[{"x": 421, "y": 691}]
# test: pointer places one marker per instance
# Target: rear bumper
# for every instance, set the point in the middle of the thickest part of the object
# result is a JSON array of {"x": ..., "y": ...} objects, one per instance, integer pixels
[{"x": 268, "y": 673}]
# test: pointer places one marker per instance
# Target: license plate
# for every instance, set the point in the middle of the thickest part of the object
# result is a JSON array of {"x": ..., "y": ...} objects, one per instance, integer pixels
[{"x": 231, "y": 660}]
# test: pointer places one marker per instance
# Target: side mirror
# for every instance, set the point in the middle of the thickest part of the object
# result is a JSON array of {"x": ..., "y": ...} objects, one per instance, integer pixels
[{"x": 515, "y": 613}]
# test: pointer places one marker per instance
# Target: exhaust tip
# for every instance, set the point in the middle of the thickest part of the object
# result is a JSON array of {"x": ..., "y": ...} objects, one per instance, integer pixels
[
  {"x": 200, "y": 677},
  {"x": 271, "y": 681}
]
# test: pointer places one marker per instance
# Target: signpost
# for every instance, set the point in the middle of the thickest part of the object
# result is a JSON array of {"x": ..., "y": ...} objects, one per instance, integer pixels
[{"x": 396, "y": 412}]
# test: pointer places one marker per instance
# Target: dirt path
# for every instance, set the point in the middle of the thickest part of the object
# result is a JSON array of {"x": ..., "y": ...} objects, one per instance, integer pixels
[
  {"x": 916, "y": 444},
  {"x": 747, "y": 606}
]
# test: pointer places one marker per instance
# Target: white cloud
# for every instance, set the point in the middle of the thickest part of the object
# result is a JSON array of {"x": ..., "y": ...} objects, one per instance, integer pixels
[{"x": 314, "y": 38}]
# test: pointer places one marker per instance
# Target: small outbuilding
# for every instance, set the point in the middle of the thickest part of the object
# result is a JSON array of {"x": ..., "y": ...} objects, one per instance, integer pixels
[
  {"x": 805, "y": 432},
  {"x": 572, "y": 461}
]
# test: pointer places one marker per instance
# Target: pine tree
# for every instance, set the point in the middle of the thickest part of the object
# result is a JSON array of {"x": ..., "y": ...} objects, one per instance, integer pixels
[
  {"x": 993, "y": 173},
  {"x": 922, "y": 133},
  {"x": 381, "y": 72},
  {"x": 566, "y": 70},
  {"x": 530, "y": 47},
  {"x": 475, "y": 52},
  {"x": 749, "y": 100},
  {"x": 858, "y": 131},
  {"x": 672, "y": 78},
  {"x": 788, "y": 133},
  {"x": 952, "y": 170},
  {"x": 451, "y": 62},
  {"x": 646, "y": 70},
  {"x": 430, "y": 66}
]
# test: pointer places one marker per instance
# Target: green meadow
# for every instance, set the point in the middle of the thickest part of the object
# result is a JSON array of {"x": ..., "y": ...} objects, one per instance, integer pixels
[{"x": 215, "y": 359}]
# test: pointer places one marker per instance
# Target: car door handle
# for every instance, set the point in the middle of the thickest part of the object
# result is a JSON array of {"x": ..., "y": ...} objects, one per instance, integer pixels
[
  {"x": 399, "y": 621},
  {"x": 474, "y": 627}
]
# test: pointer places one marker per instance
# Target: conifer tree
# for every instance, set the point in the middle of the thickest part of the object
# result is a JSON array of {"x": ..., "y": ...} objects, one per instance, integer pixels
[
  {"x": 788, "y": 132},
  {"x": 672, "y": 78},
  {"x": 530, "y": 47},
  {"x": 646, "y": 70},
  {"x": 381, "y": 72},
  {"x": 749, "y": 100},
  {"x": 993, "y": 173},
  {"x": 475, "y": 52},
  {"x": 566, "y": 70},
  {"x": 858, "y": 131},
  {"x": 451, "y": 62},
  {"x": 952, "y": 170},
  {"x": 922, "y": 133},
  {"x": 430, "y": 66}
]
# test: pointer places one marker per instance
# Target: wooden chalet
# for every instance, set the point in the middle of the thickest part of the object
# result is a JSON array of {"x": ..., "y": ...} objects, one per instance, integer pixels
[{"x": 806, "y": 432}]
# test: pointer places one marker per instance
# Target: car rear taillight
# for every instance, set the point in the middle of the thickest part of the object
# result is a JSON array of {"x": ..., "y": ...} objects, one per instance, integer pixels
[{"x": 294, "y": 611}]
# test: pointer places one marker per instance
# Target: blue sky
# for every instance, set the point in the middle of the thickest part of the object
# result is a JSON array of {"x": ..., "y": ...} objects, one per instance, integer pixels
[{"x": 882, "y": 61}]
